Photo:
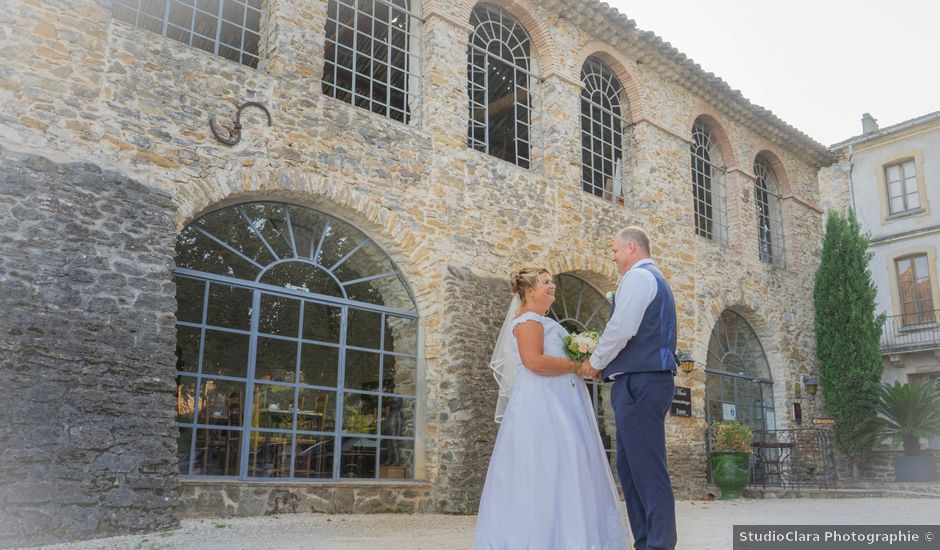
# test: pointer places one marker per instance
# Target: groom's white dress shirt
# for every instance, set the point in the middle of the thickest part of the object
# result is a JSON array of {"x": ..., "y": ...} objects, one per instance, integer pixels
[{"x": 635, "y": 293}]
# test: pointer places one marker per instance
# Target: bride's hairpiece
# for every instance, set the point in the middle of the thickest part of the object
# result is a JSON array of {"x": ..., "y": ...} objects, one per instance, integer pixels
[{"x": 527, "y": 277}]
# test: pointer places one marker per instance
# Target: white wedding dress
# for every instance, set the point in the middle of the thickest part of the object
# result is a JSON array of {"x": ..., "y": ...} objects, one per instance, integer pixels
[{"x": 549, "y": 485}]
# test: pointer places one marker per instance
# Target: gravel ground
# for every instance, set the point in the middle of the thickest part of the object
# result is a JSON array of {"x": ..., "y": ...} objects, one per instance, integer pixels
[{"x": 702, "y": 526}]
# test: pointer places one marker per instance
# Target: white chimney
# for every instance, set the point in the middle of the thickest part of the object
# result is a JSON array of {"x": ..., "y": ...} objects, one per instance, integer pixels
[{"x": 869, "y": 124}]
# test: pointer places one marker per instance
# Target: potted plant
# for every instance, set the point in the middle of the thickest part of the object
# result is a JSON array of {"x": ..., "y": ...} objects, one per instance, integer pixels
[
  {"x": 730, "y": 455},
  {"x": 906, "y": 413}
]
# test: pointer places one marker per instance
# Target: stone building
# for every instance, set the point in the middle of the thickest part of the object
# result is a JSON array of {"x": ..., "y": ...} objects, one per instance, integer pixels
[
  {"x": 889, "y": 177},
  {"x": 290, "y": 314}
]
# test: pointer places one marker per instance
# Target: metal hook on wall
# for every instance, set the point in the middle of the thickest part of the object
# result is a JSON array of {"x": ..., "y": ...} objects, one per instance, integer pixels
[{"x": 236, "y": 134}]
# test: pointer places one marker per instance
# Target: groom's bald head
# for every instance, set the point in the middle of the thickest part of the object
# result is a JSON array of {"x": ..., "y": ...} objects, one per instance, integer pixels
[{"x": 636, "y": 235}]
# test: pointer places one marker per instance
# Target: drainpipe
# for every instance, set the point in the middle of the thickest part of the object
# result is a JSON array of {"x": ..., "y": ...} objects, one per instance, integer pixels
[{"x": 847, "y": 168}]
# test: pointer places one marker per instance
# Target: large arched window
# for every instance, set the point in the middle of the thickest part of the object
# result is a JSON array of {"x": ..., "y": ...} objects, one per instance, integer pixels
[
  {"x": 296, "y": 349},
  {"x": 602, "y": 107},
  {"x": 580, "y": 307},
  {"x": 371, "y": 55},
  {"x": 708, "y": 191},
  {"x": 738, "y": 384},
  {"x": 769, "y": 216},
  {"x": 499, "y": 84}
]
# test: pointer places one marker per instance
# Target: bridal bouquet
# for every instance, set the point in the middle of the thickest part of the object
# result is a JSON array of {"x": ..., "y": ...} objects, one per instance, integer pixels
[{"x": 580, "y": 346}]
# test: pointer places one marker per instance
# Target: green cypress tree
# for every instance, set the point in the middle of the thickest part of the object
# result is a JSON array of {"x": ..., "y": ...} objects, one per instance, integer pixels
[{"x": 848, "y": 335}]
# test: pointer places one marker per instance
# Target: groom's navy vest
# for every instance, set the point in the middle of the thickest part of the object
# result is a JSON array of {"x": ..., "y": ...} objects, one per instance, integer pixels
[{"x": 654, "y": 346}]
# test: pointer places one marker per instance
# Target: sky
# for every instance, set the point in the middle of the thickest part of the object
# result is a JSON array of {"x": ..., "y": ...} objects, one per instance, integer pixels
[{"x": 817, "y": 64}]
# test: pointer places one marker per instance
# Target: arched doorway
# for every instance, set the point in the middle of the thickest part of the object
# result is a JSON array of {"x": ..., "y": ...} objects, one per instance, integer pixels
[
  {"x": 297, "y": 349},
  {"x": 739, "y": 384},
  {"x": 580, "y": 307}
]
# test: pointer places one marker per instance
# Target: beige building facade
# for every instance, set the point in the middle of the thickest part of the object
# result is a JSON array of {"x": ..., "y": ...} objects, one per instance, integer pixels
[
  {"x": 302, "y": 320},
  {"x": 889, "y": 176}
]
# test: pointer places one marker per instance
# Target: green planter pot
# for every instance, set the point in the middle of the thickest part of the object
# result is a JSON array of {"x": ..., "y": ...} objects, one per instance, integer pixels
[{"x": 729, "y": 472}]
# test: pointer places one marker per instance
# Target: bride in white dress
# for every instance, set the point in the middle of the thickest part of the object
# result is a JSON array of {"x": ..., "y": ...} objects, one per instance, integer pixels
[{"x": 549, "y": 485}]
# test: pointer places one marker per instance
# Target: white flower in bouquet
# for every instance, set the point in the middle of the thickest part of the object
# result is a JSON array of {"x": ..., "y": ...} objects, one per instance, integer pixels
[{"x": 580, "y": 346}]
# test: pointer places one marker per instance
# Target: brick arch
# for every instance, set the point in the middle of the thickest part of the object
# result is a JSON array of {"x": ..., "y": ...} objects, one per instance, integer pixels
[
  {"x": 780, "y": 170},
  {"x": 402, "y": 243},
  {"x": 617, "y": 63},
  {"x": 544, "y": 50},
  {"x": 719, "y": 133}
]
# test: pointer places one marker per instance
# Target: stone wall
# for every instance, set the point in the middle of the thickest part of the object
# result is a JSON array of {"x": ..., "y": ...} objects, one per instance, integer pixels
[
  {"x": 476, "y": 307},
  {"x": 86, "y": 353},
  {"x": 234, "y": 498}
]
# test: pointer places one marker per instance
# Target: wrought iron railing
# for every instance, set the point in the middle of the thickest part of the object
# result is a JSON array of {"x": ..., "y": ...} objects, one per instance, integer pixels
[
  {"x": 793, "y": 459},
  {"x": 911, "y": 331}
]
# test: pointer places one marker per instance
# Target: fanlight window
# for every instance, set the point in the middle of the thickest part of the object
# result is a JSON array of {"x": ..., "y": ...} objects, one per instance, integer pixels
[
  {"x": 296, "y": 349},
  {"x": 602, "y": 109},
  {"x": 708, "y": 192},
  {"x": 769, "y": 216},
  {"x": 739, "y": 385},
  {"x": 500, "y": 82}
]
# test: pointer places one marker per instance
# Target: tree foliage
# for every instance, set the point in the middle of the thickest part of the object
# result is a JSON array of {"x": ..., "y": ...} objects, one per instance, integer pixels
[{"x": 848, "y": 334}]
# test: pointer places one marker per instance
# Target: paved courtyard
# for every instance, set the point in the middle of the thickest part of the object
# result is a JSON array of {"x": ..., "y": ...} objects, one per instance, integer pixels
[{"x": 703, "y": 525}]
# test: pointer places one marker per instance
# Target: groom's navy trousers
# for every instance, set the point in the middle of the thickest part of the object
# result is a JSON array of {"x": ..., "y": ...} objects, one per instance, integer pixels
[
  {"x": 641, "y": 394},
  {"x": 641, "y": 401}
]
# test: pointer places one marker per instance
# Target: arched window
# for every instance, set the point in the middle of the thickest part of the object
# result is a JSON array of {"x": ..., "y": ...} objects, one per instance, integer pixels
[
  {"x": 499, "y": 82},
  {"x": 769, "y": 216},
  {"x": 738, "y": 383},
  {"x": 708, "y": 190},
  {"x": 370, "y": 55},
  {"x": 602, "y": 108},
  {"x": 296, "y": 349},
  {"x": 580, "y": 307}
]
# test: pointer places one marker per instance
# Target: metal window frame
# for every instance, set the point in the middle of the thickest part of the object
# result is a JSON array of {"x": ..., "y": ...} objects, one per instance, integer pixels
[
  {"x": 721, "y": 347},
  {"x": 254, "y": 332},
  {"x": 174, "y": 31},
  {"x": 511, "y": 35},
  {"x": 708, "y": 189},
  {"x": 598, "y": 79},
  {"x": 405, "y": 60},
  {"x": 767, "y": 202}
]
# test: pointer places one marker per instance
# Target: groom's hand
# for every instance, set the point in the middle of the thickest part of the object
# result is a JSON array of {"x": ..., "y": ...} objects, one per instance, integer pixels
[{"x": 587, "y": 371}]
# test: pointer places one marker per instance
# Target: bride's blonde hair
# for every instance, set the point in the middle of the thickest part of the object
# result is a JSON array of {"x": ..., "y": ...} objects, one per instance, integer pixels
[{"x": 525, "y": 278}]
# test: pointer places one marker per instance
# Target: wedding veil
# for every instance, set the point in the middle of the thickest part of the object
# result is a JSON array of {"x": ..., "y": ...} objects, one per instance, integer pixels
[{"x": 503, "y": 361}]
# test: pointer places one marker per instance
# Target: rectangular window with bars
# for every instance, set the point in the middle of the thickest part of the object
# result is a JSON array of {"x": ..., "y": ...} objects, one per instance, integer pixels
[
  {"x": 228, "y": 28},
  {"x": 901, "y": 182},
  {"x": 914, "y": 290},
  {"x": 371, "y": 58}
]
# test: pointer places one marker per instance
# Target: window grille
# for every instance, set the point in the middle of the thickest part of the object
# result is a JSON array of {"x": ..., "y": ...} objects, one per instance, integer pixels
[
  {"x": 708, "y": 186},
  {"x": 601, "y": 131},
  {"x": 370, "y": 58},
  {"x": 500, "y": 83},
  {"x": 228, "y": 28},
  {"x": 769, "y": 215}
]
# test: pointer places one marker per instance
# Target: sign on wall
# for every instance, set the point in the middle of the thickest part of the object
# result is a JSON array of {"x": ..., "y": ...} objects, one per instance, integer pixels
[{"x": 682, "y": 402}]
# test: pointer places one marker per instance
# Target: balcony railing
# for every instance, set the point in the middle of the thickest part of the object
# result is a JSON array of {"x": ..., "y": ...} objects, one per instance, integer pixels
[{"x": 911, "y": 332}]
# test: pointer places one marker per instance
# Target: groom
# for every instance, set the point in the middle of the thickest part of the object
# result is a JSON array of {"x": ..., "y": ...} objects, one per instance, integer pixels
[{"x": 637, "y": 353}]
